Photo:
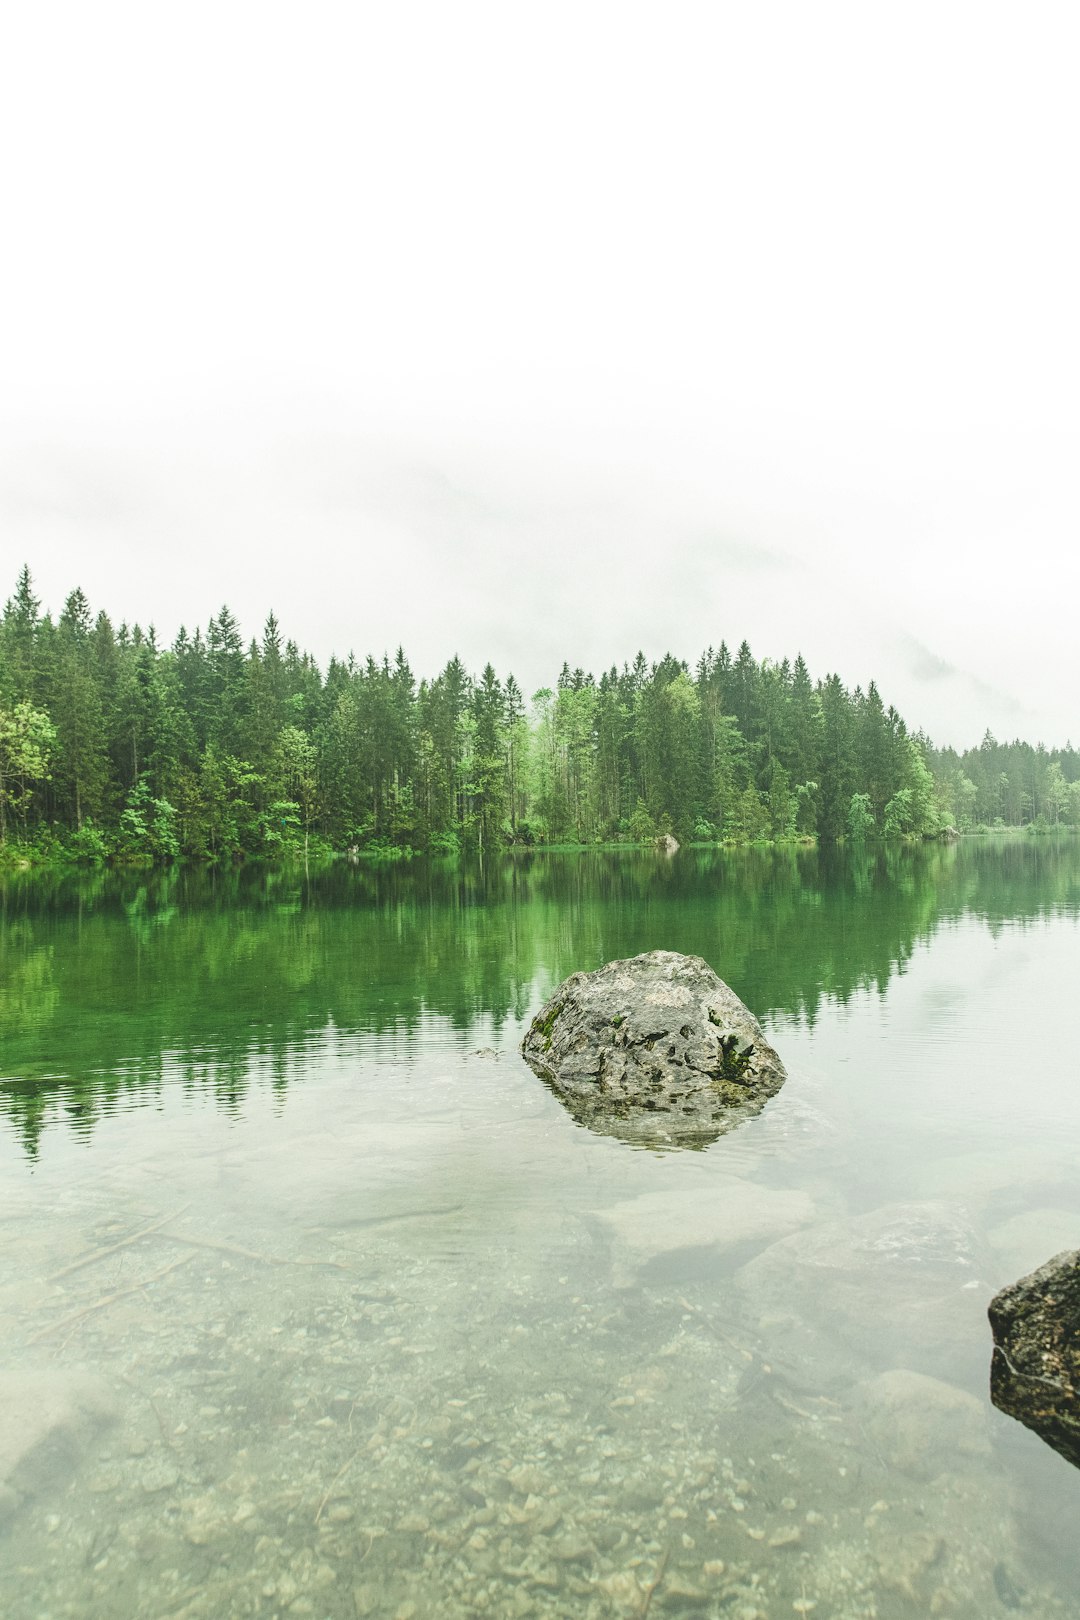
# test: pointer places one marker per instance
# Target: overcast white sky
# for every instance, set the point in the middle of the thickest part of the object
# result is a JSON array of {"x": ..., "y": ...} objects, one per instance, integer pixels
[{"x": 544, "y": 332}]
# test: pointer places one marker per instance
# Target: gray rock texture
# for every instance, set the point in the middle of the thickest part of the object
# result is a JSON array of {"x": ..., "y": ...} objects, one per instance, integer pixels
[
  {"x": 1035, "y": 1371},
  {"x": 656, "y": 1049}
]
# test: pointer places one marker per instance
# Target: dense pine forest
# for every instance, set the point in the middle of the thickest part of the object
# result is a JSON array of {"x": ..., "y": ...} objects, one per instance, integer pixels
[{"x": 114, "y": 747}]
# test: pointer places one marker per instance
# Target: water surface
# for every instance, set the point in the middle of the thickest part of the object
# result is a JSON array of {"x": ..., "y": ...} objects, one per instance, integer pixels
[{"x": 315, "y": 1301}]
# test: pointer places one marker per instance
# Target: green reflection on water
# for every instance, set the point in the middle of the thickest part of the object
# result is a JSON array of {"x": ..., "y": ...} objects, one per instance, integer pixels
[{"x": 103, "y": 976}]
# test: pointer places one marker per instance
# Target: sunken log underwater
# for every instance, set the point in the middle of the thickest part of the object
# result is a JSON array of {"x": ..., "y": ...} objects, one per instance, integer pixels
[{"x": 656, "y": 1050}]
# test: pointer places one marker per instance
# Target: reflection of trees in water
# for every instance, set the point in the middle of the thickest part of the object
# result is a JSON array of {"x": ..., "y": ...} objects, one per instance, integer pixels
[{"x": 112, "y": 984}]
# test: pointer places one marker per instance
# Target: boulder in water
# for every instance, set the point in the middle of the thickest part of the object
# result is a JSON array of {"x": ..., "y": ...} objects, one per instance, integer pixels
[{"x": 656, "y": 1049}]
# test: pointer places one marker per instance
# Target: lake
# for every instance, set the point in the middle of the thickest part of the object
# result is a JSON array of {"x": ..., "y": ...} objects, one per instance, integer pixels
[{"x": 315, "y": 1301}]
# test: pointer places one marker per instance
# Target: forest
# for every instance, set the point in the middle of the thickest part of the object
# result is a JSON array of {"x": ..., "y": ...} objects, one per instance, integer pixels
[{"x": 116, "y": 748}]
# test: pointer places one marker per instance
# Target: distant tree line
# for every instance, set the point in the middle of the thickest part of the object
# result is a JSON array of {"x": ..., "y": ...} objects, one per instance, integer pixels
[
  {"x": 1015, "y": 784},
  {"x": 112, "y": 746}
]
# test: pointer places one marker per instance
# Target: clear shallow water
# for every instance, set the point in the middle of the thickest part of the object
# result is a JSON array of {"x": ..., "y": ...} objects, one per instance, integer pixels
[{"x": 400, "y": 1338}]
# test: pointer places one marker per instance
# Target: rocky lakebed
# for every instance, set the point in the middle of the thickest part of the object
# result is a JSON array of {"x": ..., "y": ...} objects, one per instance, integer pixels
[{"x": 681, "y": 1404}]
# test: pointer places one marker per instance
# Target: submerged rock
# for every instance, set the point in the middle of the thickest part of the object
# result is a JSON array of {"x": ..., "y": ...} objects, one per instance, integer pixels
[
  {"x": 902, "y": 1285},
  {"x": 46, "y": 1422},
  {"x": 656, "y": 1049},
  {"x": 920, "y": 1425},
  {"x": 1035, "y": 1371},
  {"x": 722, "y": 1218}
]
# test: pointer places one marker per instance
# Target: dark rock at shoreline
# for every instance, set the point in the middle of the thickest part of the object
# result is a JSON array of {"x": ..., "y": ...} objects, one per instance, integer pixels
[
  {"x": 1035, "y": 1371},
  {"x": 656, "y": 1050}
]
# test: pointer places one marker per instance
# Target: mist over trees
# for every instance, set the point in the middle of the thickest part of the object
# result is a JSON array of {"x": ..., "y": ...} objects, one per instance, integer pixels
[{"x": 114, "y": 746}]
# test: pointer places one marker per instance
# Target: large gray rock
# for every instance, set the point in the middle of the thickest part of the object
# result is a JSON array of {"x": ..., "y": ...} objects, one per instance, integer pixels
[
  {"x": 656, "y": 1050},
  {"x": 1035, "y": 1371}
]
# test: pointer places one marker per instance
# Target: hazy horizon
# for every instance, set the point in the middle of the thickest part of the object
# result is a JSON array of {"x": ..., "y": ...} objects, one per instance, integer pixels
[{"x": 553, "y": 335}]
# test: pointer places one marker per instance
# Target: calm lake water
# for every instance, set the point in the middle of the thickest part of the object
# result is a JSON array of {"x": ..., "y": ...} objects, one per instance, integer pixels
[{"x": 314, "y": 1300}]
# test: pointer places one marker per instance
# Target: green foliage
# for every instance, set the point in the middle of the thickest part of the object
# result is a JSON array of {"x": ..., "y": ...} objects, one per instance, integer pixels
[
  {"x": 783, "y": 804},
  {"x": 641, "y": 828},
  {"x": 279, "y": 826},
  {"x": 750, "y": 823},
  {"x": 27, "y": 736},
  {"x": 898, "y": 814},
  {"x": 807, "y": 795},
  {"x": 88, "y": 845},
  {"x": 444, "y": 843},
  {"x": 860, "y": 816},
  {"x": 1005, "y": 785},
  {"x": 147, "y": 830},
  {"x": 212, "y": 752}
]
